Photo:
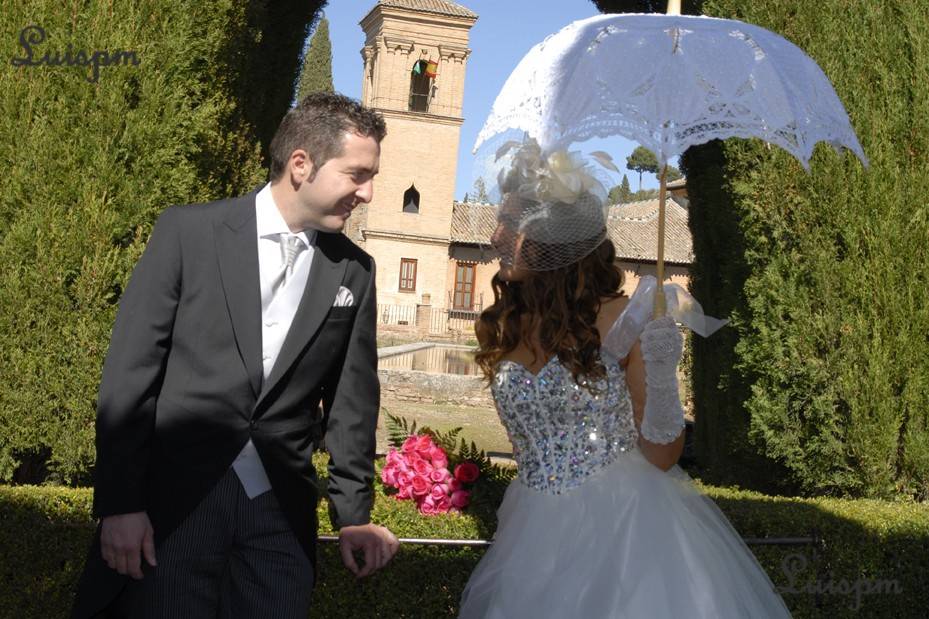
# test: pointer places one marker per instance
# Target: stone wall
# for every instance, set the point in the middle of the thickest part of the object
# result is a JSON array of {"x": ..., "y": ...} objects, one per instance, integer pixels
[{"x": 414, "y": 386}]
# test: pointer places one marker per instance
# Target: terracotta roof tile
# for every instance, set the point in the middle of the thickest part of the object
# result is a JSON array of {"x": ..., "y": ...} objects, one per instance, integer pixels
[
  {"x": 440, "y": 7},
  {"x": 473, "y": 222},
  {"x": 633, "y": 228}
]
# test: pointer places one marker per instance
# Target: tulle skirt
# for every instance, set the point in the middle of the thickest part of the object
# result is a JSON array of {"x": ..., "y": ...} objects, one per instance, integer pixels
[{"x": 632, "y": 541}]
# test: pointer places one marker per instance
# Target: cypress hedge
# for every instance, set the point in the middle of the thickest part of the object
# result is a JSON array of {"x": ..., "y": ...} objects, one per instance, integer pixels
[
  {"x": 822, "y": 381},
  {"x": 870, "y": 562},
  {"x": 93, "y": 155}
]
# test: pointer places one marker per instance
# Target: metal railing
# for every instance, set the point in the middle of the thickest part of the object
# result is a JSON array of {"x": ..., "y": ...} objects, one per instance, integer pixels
[
  {"x": 388, "y": 314},
  {"x": 444, "y": 321}
]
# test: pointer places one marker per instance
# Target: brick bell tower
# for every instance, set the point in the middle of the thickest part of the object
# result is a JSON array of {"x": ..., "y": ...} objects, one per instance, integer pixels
[{"x": 415, "y": 55}]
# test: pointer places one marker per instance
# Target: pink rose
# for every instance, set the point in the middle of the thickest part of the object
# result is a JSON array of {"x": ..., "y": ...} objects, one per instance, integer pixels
[
  {"x": 404, "y": 493},
  {"x": 396, "y": 460},
  {"x": 424, "y": 445},
  {"x": 466, "y": 472},
  {"x": 389, "y": 475},
  {"x": 443, "y": 504},
  {"x": 427, "y": 507},
  {"x": 438, "y": 491},
  {"x": 409, "y": 445},
  {"x": 439, "y": 476},
  {"x": 422, "y": 468},
  {"x": 404, "y": 479},
  {"x": 420, "y": 485},
  {"x": 438, "y": 457},
  {"x": 460, "y": 499}
]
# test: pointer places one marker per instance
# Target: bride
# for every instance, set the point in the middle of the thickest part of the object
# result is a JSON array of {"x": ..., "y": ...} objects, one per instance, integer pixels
[{"x": 600, "y": 521}]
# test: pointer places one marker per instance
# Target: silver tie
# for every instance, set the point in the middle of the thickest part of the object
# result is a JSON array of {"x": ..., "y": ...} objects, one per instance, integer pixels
[{"x": 291, "y": 246}]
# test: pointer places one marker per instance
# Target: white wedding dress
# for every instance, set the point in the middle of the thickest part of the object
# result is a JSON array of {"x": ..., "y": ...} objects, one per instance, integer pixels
[{"x": 590, "y": 529}]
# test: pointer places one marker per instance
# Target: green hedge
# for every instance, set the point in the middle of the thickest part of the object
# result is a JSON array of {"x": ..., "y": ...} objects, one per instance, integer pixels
[
  {"x": 89, "y": 165},
  {"x": 46, "y": 532},
  {"x": 822, "y": 380}
]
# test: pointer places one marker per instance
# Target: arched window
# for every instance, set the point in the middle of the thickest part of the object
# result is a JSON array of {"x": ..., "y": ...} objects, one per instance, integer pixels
[
  {"x": 421, "y": 76},
  {"x": 411, "y": 200}
]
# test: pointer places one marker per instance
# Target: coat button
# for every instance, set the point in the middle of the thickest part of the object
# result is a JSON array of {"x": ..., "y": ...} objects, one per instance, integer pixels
[{"x": 253, "y": 424}]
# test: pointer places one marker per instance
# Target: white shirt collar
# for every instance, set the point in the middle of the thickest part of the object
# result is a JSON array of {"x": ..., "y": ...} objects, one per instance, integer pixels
[{"x": 270, "y": 222}]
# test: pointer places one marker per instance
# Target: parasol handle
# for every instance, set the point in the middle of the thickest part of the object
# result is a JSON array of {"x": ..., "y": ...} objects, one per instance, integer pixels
[
  {"x": 660, "y": 305},
  {"x": 674, "y": 7}
]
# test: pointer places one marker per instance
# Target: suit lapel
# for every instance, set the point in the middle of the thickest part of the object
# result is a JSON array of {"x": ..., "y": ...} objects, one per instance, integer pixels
[
  {"x": 326, "y": 274},
  {"x": 237, "y": 251}
]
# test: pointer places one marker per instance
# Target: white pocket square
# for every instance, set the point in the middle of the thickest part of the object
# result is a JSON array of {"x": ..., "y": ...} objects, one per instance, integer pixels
[{"x": 343, "y": 298}]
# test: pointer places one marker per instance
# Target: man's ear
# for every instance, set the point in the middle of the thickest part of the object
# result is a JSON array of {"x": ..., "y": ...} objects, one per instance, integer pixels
[{"x": 301, "y": 166}]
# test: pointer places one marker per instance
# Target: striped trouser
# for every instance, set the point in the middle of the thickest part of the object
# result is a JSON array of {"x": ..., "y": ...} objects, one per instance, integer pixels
[{"x": 232, "y": 557}]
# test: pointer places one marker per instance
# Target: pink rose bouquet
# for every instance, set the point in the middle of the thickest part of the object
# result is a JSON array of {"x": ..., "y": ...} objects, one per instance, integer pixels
[{"x": 419, "y": 472}]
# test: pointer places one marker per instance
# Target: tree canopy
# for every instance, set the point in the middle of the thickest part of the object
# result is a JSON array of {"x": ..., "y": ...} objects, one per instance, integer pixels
[
  {"x": 316, "y": 74},
  {"x": 480, "y": 191},
  {"x": 621, "y": 193},
  {"x": 642, "y": 160}
]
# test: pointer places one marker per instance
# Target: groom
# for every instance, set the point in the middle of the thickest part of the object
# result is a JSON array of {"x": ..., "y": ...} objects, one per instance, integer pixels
[{"x": 240, "y": 319}]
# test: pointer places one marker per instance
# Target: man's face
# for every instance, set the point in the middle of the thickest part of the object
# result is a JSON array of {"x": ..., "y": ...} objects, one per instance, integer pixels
[{"x": 328, "y": 197}]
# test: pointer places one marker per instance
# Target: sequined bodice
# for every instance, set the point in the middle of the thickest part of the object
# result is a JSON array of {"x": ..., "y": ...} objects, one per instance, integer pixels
[{"x": 561, "y": 433}]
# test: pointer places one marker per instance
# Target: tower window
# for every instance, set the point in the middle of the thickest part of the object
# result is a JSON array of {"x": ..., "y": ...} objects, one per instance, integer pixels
[
  {"x": 421, "y": 76},
  {"x": 411, "y": 200}
]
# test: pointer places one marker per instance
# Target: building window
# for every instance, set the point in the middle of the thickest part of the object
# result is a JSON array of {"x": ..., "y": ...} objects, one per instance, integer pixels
[
  {"x": 421, "y": 76},
  {"x": 407, "y": 275},
  {"x": 411, "y": 200},
  {"x": 464, "y": 286}
]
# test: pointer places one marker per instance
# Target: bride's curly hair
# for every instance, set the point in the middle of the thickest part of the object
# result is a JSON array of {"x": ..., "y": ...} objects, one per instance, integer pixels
[{"x": 562, "y": 304}]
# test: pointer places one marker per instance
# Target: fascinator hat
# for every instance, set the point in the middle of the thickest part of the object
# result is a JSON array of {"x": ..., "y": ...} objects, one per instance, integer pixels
[
  {"x": 553, "y": 209},
  {"x": 553, "y": 213}
]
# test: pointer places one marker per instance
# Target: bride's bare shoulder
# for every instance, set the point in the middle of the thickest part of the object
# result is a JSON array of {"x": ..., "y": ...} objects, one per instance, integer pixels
[{"x": 610, "y": 311}]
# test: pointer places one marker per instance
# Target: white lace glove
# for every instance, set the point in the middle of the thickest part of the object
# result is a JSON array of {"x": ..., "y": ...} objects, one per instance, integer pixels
[{"x": 662, "y": 346}]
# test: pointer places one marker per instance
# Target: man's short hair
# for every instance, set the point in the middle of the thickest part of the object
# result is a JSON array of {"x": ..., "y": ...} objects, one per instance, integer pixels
[{"x": 317, "y": 125}]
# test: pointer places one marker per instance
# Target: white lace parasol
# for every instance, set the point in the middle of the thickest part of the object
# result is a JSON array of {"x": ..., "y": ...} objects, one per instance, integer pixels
[{"x": 669, "y": 82}]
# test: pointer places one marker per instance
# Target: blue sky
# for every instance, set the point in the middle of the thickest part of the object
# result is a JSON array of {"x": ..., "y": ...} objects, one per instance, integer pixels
[{"x": 504, "y": 32}]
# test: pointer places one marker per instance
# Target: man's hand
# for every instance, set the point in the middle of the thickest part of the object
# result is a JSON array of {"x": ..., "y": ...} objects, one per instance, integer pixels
[
  {"x": 124, "y": 538},
  {"x": 377, "y": 543}
]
